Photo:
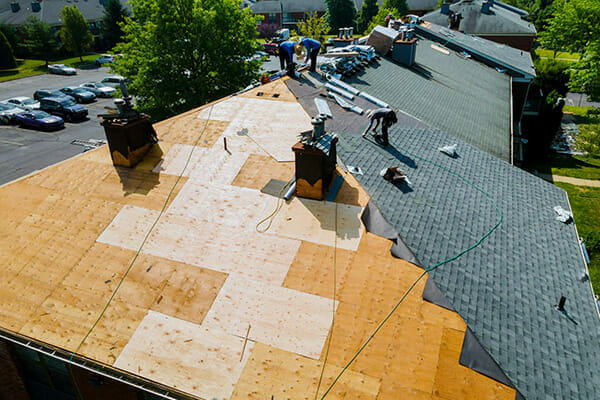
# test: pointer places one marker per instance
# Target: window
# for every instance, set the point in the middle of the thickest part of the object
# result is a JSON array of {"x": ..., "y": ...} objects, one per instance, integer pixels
[
  {"x": 288, "y": 17},
  {"x": 272, "y": 18}
]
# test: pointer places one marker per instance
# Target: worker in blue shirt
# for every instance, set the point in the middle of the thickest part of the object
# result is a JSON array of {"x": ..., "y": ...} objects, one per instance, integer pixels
[
  {"x": 286, "y": 55},
  {"x": 312, "y": 50}
]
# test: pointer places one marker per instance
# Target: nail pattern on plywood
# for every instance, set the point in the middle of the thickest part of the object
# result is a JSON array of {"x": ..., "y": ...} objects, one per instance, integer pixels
[
  {"x": 287, "y": 319},
  {"x": 195, "y": 359}
]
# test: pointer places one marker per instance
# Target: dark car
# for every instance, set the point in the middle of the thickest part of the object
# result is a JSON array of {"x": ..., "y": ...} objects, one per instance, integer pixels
[
  {"x": 65, "y": 108},
  {"x": 39, "y": 120},
  {"x": 271, "y": 48},
  {"x": 40, "y": 94},
  {"x": 79, "y": 94}
]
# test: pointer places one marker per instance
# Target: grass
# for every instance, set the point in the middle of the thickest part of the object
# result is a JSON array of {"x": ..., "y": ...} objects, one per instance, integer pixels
[
  {"x": 28, "y": 67},
  {"x": 565, "y": 165},
  {"x": 543, "y": 53},
  {"x": 585, "y": 203}
]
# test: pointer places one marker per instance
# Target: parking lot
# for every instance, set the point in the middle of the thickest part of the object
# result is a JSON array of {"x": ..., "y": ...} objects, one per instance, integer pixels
[{"x": 23, "y": 150}]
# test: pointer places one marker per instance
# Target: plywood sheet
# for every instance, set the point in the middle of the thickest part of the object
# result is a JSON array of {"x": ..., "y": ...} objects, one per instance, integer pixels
[
  {"x": 223, "y": 110},
  {"x": 351, "y": 192},
  {"x": 18, "y": 200},
  {"x": 258, "y": 170},
  {"x": 276, "y": 90},
  {"x": 287, "y": 376},
  {"x": 216, "y": 204},
  {"x": 183, "y": 355},
  {"x": 457, "y": 382},
  {"x": 221, "y": 248},
  {"x": 189, "y": 293},
  {"x": 315, "y": 221},
  {"x": 194, "y": 131},
  {"x": 155, "y": 154},
  {"x": 281, "y": 317}
]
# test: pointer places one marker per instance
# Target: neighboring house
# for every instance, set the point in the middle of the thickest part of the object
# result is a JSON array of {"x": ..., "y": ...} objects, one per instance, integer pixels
[
  {"x": 287, "y": 13},
  {"x": 15, "y": 12},
  {"x": 186, "y": 277},
  {"x": 489, "y": 19}
]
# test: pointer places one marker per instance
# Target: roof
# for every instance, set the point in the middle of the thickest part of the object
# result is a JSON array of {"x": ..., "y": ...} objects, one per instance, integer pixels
[
  {"x": 92, "y": 10},
  {"x": 517, "y": 63},
  {"x": 499, "y": 21},
  {"x": 458, "y": 95},
  {"x": 288, "y": 6},
  {"x": 412, "y": 4},
  {"x": 505, "y": 288},
  {"x": 211, "y": 306}
]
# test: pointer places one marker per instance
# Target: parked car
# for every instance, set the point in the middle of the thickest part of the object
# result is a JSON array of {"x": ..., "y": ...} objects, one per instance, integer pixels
[
  {"x": 40, "y": 94},
  {"x": 105, "y": 59},
  {"x": 40, "y": 120},
  {"x": 99, "y": 89},
  {"x": 79, "y": 94},
  {"x": 271, "y": 48},
  {"x": 8, "y": 113},
  {"x": 114, "y": 80},
  {"x": 26, "y": 103},
  {"x": 64, "y": 108},
  {"x": 61, "y": 69}
]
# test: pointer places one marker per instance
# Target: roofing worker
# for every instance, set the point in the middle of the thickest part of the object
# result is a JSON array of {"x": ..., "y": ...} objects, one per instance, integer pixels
[
  {"x": 312, "y": 50},
  {"x": 389, "y": 118},
  {"x": 286, "y": 55}
]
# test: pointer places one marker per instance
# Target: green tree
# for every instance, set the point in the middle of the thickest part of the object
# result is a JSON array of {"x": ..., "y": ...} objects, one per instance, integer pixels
[
  {"x": 340, "y": 13},
  {"x": 7, "y": 59},
  {"x": 379, "y": 19},
  {"x": 75, "y": 34},
  {"x": 575, "y": 26},
  {"x": 11, "y": 35},
  {"x": 41, "y": 39},
  {"x": 399, "y": 7},
  {"x": 181, "y": 54},
  {"x": 365, "y": 16},
  {"x": 588, "y": 140},
  {"x": 314, "y": 27},
  {"x": 114, "y": 16}
]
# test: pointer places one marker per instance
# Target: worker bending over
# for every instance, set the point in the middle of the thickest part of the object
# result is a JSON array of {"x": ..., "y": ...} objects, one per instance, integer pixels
[
  {"x": 312, "y": 50},
  {"x": 286, "y": 56},
  {"x": 388, "y": 117}
]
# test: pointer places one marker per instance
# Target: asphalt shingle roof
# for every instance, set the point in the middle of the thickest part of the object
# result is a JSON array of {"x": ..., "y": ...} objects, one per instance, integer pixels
[
  {"x": 507, "y": 287},
  {"x": 518, "y": 63},
  {"x": 449, "y": 92},
  {"x": 500, "y": 20}
]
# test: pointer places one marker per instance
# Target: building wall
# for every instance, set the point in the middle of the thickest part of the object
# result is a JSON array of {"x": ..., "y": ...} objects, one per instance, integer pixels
[
  {"x": 524, "y": 43},
  {"x": 11, "y": 384}
]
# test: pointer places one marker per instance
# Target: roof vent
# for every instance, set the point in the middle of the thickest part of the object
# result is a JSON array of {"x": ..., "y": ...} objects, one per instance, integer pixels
[
  {"x": 445, "y": 8},
  {"x": 454, "y": 20},
  {"x": 485, "y": 7},
  {"x": 561, "y": 304},
  {"x": 14, "y": 6},
  {"x": 35, "y": 6}
]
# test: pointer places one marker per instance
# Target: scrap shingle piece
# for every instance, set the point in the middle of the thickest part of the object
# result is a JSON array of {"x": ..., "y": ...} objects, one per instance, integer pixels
[
  {"x": 207, "y": 361},
  {"x": 287, "y": 319}
]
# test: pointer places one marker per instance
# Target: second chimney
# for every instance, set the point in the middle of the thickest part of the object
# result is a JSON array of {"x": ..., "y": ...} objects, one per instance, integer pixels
[{"x": 405, "y": 50}]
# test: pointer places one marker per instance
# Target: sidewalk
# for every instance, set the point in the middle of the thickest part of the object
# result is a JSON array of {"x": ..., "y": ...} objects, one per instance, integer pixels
[{"x": 572, "y": 181}]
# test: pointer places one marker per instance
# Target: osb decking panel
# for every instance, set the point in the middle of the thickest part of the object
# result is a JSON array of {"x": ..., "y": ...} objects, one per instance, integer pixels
[
  {"x": 222, "y": 248},
  {"x": 204, "y": 362},
  {"x": 259, "y": 170},
  {"x": 316, "y": 221},
  {"x": 194, "y": 131},
  {"x": 276, "y": 90},
  {"x": 287, "y": 319}
]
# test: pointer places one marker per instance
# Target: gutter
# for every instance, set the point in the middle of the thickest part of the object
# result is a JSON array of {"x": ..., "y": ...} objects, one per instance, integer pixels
[
  {"x": 92, "y": 366},
  {"x": 512, "y": 123}
]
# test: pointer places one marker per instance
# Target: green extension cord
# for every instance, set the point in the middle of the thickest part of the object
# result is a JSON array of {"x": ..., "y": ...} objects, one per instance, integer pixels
[{"x": 500, "y": 218}]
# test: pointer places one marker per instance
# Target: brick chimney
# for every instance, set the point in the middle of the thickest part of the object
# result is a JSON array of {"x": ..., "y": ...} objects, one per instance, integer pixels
[
  {"x": 445, "y": 8},
  {"x": 405, "y": 50},
  {"x": 485, "y": 7},
  {"x": 454, "y": 20}
]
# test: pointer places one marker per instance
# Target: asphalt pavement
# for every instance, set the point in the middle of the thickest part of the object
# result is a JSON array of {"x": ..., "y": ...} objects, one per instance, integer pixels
[{"x": 23, "y": 150}]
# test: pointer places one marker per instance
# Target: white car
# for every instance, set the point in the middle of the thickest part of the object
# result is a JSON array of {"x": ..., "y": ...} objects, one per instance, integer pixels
[
  {"x": 26, "y": 103},
  {"x": 105, "y": 59},
  {"x": 8, "y": 113},
  {"x": 113, "y": 81},
  {"x": 99, "y": 89},
  {"x": 61, "y": 69}
]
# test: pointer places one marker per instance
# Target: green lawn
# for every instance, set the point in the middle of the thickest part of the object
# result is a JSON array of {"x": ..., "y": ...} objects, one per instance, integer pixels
[
  {"x": 585, "y": 202},
  {"x": 573, "y": 166},
  {"x": 542, "y": 53},
  {"x": 37, "y": 67}
]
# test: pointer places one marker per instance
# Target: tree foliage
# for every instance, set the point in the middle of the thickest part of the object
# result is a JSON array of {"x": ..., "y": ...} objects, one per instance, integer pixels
[
  {"x": 552, "y": 75},
  {"x": 314, "y": 27},
  {"x": 575, "y": 26},
  {"x": 75, "y": 34},
  {"x": 114, "y": 16},
  {"x": 365, "y": 16},
  {"x": 340, "y": 14},
  {"x": 181, "y": 54},
  {"x": 398, "y": 7},
  {"x": 379, "y": 19},
  {"x": 41, "y": 39},
  {"x": 7, "y": 59},
  {"x": 11, "y": 35},
  {"x": 588, "y": 140}
]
